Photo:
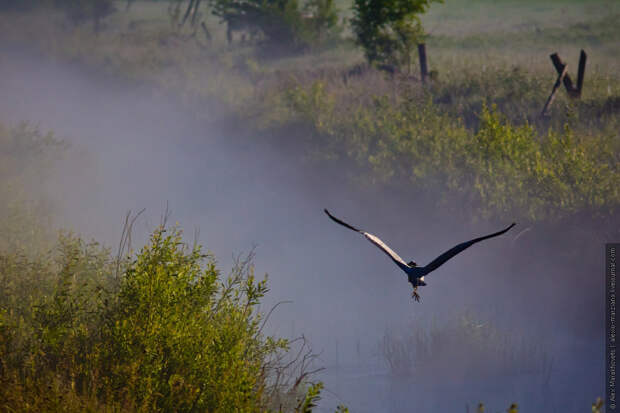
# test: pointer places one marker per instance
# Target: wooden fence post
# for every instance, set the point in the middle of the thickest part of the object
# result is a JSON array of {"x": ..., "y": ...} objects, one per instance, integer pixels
[
  {"x": 568, "y": 83},
  {"x": 582, "y": 71},
  {"x": 557, "y": 84},
  {"x": 423, "y": 66}
]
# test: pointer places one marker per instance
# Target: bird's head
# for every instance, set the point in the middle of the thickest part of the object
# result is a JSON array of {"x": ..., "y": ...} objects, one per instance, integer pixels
[{"x": 412, "y": 264}]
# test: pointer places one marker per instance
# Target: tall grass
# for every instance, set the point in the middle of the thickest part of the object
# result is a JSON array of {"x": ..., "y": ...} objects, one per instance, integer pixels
[{"x": 467, "y": 348}]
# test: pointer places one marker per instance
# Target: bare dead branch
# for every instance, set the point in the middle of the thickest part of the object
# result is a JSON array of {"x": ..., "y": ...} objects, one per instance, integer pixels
[
  {"x": 163, "y": 221},
  {"x": 271, "y": 311},
  {"x": 125, "y": 241}
]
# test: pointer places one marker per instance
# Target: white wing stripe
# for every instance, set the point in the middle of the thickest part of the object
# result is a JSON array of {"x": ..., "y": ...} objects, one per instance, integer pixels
[{"x": 375, "y": 240}]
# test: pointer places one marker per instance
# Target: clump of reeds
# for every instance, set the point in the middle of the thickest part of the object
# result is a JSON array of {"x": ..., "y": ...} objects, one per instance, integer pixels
[{"x": 465, "y": 346}]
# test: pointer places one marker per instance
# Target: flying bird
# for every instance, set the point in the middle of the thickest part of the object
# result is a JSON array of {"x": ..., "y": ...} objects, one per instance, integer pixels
[{"x": 416, "y": 274}]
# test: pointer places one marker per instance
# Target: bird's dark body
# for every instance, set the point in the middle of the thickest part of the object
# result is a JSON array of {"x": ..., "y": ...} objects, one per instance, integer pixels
[
  {"x": 415, "y": 280},
  {"x": 415, "y": 274}
]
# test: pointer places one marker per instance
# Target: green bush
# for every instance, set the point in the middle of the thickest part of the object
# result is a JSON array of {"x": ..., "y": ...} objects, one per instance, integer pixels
[
  {"x": 496, "y": 171},
  {"x": 160, "y": 332},
  {"x": 48, "y": 324},
  {"x": 281, "y": 23},
  {"x": 188, "y": 341},
  {"x": 388, "y": 30}
]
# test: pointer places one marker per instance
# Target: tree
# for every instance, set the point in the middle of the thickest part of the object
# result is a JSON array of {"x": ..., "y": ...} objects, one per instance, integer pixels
[
  {"x": 81, "y": 11},
  {"x": 280, "y": 22},
  {"x": 321, "y": 20},
  {"x": 388, "y": 29}
]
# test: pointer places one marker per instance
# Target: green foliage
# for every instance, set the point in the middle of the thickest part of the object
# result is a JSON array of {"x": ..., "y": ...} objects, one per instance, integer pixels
[
  {"x": 499, "y": 170},
  {"x": 51, "y": 328},
  {"x": 388, "y": 30},
  {"x": 313, "y": 396},
  {"x": 321, "y": 22},
  {"x": 188, "y": 342},
  {"x": 166, "y": 334},
  {"x": 281, "y": 23},
  {"x": 597, "y": 406}
]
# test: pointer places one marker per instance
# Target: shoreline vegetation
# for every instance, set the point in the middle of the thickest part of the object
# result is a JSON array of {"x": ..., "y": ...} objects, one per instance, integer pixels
[{"x": 474, "y": 134}]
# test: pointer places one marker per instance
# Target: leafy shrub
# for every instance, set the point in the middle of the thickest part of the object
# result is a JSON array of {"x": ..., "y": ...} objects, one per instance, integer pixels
[
  {"x": 162, "y": 332},
  {"x": 281, "y": 22},
  {"x": 499, "y": 170},
  {"x": 49, "y": 322},
  {"x": 187, "y": 341}
]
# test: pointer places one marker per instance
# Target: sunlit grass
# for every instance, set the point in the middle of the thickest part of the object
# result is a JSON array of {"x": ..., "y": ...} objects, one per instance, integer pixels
[{"x": 481, "y": 53}]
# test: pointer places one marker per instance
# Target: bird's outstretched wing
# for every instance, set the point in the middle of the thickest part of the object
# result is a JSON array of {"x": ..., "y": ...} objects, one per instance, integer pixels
[
  {"x": 375, "y": 240},
  {"x": 342, "y": 222},
  {"x": 394, "y": 256},
  {"x": 437, "y": 262}
]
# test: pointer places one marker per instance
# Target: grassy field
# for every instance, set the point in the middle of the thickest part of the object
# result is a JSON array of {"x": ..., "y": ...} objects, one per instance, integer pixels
[{"x": 484, "y": 54}]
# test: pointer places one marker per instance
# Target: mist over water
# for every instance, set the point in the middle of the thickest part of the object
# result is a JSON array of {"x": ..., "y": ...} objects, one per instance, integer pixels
[{"x": 134, "y": 148}]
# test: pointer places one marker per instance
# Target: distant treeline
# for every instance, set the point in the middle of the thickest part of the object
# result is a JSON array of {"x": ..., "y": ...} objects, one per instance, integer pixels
[{"x": 77, "y": 11}]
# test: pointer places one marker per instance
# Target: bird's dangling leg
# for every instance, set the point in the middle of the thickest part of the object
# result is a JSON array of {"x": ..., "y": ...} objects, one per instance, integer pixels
[{"x": 415, "y": 294}]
